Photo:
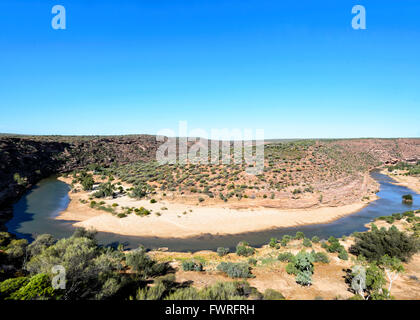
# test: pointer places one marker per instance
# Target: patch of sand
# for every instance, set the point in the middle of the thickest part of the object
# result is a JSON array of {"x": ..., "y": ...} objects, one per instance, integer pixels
[{"x": 178, "y": 222}]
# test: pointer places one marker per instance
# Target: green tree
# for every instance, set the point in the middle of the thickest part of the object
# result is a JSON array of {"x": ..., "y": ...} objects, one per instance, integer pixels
[{"x": 392, "y": 267}]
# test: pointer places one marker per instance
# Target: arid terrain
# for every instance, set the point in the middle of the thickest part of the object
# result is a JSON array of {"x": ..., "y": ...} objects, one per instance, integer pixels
[
  {"x": 173, "y": 219},
  {"x": 270, "y": 273},
  {"x": 117, "y": 186}
]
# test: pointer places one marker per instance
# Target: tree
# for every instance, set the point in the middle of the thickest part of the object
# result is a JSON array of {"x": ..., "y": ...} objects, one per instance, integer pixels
[
  {"x": 407, "y": 198},
  {"x": 41, "y": 242},
  {"x": 375, "y": 244},
  {"x": 88, "y": 267},
  {"x": 367, "y": 281},
  {"x": 38, "y": 288},
  {"x": 392, "y": 267},
  {"x": 143, "y": 265}
]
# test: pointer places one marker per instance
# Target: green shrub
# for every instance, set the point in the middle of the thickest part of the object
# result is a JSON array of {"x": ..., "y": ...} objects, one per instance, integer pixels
[
  {"x": 307, "y": 242},
  {"x": 155, "y": 292},
  {"x": 191, "y": 265},
  {"x": 291, "y": 269},
  {"x": 299, "y": 235},
  {"x": 285, "y": 240},
  {"x": 38, "y": 287},
  {"x": 320, "y": 257},
  {"x": 153, "y": 201},
  {"x": 343, "y": 255},
  {"x": 286, "y": 257},
  {"x": 315, "y": 239},
  {"x": 375, "y": 244},
  {"x": 142, "y": 212},
  {"x": 105, "y": 190},
  {"x": 140, "y": 190},
  {"x": 218, "y": 291},
  {"x": 302, "y": 268},
  {"x": 408, "y": 198},
  {"x": 252, "y": 261},
  {"x": 11, "y": 285},
  {"x": 235, "y": 270},
  {"x": 304, "y": 278},
  {"x": 243, "y": 249},
  {"x": 333, "y": 245},
  {"x": 273, "y": 243},
  {"x": 221, "y": 251},
  {"x": 143, "y": 265}
]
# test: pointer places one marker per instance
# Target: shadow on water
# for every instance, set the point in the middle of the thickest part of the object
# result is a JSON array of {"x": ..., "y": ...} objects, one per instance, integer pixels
[
  {"x": 33, "y": 215},
  {"x": 17, "y": 222}
]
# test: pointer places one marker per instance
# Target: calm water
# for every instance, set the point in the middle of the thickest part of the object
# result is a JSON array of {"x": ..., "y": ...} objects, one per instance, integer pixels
[{"x": 34, "y": 213}]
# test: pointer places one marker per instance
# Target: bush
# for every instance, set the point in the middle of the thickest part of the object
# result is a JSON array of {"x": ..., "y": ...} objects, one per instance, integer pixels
[
  {"x": 304, "y": 278},
  {"x": 315, "y": 239},
  {"x": 302, "y": 268},
  {"x": 191, "y": 265},
  {"x": 374, "y": 245},
  {"x": 299, "y": 235},
  {"x": 142, "y": 212},
  {"x": 140, "y": 191},
  {"x": 218, "y": 291},
  {"x": 307, "y": 242},
  {"x": 243, "y": 249},
  {"x": 153, "y": 201},
  {"x": 343, "y": 255},
  {"x": 291, "y": 269},
  {"x": 235, "y": 270},
  {"x": 143, "y": 265},
  {"x": 285, "y": 240},
  {"x": 320, "y": 257},
  {"x": 252, "y": 261},
  {"x": 333, "y": 245},
  {"x": 273, "y": 243},
  {"x": 38, "y": 287},
  {"x": 286, "y": 257},
  {"x": 221, "y": 251},
  {"x": 105, "y": 190},
  {"x": 41, "y": 242},
  {"x": 11, "y": 285},
  {"x": 408, "y": 198}
]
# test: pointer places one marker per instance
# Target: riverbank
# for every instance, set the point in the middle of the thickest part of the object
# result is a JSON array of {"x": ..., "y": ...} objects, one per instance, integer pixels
[
  {"x": 411, "y": 182},
  {"x": 177, "y": 220}
]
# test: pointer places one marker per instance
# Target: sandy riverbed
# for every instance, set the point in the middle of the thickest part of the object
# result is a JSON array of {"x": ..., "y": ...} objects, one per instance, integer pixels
[{"x": 179, "y": 222}]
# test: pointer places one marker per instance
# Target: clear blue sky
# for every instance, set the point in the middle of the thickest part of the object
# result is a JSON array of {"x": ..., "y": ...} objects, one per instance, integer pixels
[{"x": 294, "y": 68}]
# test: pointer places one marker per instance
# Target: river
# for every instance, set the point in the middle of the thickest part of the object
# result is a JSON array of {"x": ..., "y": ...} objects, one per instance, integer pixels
[{"x": 34, "y": 214}]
